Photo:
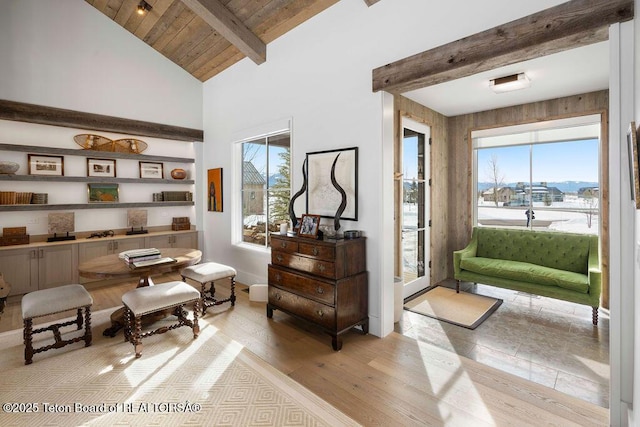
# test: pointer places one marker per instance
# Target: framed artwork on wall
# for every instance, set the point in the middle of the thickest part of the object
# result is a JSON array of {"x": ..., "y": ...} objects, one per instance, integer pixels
[
  {"x": 151, "y": 170},
  {"x": 101, "y": 167},
  {"x": 103, "y": 193},
  {"x": 46, "y": 165},
  {"x": 214, "y": 190},
  {"x": 323, "y": 198}
]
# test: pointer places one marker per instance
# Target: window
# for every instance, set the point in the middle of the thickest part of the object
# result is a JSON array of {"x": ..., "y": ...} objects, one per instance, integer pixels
[
  {"x": 265, "y": 186},
  {"x": 542, "y": 178}
]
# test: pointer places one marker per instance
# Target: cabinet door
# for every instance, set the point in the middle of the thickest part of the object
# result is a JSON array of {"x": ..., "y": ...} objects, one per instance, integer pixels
[
  {"x": 93, "y": 250},
  {"x": 185, "y": 240},
  {"x": 127, "y": 244},
  {"x": 57, "y": 266},
  {"x": 20, "y": 269},
  {"x": 163, "y": 241}
]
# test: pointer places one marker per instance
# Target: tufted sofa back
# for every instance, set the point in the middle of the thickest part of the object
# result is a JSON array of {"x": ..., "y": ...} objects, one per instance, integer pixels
[{"x": 564, "y": 251}]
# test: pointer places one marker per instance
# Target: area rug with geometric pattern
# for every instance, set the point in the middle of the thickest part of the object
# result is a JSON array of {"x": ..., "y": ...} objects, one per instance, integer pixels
[
  {"x": 212, "y": 380},
  {"x": 463, "y": 309}
]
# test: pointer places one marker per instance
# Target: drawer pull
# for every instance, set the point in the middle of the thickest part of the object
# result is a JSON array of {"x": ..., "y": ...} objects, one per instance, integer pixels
[
  {"x": 283, "y": 244},
  {"x": 320, "y": 290},
  {"x": 321, "y": 268},
  {"x": 315, "y": 251},
  {"x": 320, "y": 313},
  {"x": 279, "y": 258},
  {"x": 278, "y": 277},
  {"x": 278, "y": 297}
]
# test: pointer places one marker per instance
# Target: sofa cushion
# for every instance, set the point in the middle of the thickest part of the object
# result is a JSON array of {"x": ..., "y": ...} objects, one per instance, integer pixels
[
  {"x": 563, "y": 251},
  {"x": 527, "y": 272}
]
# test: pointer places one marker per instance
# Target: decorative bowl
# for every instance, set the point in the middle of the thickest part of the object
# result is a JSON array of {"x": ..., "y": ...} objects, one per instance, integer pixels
[
  {"x": 178, "y": 173},
  {"x": 8, "y": 168}
]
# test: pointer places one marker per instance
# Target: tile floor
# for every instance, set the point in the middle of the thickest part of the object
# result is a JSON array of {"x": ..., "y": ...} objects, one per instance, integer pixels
[{"x": 547, "y": 341}]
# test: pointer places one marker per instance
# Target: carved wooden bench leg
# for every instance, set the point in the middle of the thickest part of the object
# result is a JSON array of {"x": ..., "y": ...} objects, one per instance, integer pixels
[
  {"x": 137, "y": 336},
  {"x": 28, "y": 341}
]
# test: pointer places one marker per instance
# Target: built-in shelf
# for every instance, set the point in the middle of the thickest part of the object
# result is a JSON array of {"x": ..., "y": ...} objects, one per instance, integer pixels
[
  {"x": 92, "y": 153},
  {"x": 101, "y": 205},
  {"x": 40, "y": 178}
]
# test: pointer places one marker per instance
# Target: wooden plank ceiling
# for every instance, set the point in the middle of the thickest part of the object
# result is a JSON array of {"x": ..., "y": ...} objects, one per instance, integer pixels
[{"x": 189, "y": 39}]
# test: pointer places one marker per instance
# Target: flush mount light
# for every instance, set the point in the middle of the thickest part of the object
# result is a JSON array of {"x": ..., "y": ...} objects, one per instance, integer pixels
[
  {"x": 143, "y": 7},
  {"x": 509, "y": 83}
]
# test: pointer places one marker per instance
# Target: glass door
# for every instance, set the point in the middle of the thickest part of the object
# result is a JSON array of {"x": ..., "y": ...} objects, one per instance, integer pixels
[{"x": 414, "y": 214}]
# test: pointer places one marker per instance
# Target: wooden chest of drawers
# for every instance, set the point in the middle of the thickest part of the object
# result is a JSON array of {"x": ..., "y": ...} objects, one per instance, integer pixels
[{"x": 321, "y": 281}]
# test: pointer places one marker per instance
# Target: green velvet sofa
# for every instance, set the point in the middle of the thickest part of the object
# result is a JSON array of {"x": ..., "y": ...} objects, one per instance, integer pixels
[{"x": 564, "y": 266}]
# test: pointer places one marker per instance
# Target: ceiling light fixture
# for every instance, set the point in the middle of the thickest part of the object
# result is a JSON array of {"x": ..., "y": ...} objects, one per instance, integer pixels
[
  {"x": 509, "y": 83},
  {"x": 143, "y": 7}
]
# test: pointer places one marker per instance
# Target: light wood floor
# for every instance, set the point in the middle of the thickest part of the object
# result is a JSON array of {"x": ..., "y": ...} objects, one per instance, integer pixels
[{"x": 395, "y": 381}]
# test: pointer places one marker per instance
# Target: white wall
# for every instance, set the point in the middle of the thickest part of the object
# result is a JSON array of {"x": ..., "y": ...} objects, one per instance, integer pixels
[
  {"x": 66, "y": 54},
  {"x": 319, "y": 75}
]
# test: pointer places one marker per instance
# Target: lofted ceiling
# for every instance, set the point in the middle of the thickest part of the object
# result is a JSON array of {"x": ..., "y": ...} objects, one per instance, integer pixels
[{"x": 204, "y": 37}]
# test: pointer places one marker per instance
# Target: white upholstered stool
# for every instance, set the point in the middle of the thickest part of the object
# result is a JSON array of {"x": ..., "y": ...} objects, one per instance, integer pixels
[
  {"x": 153, "y": 299},
  {"x": 52, "y": 301},
  {"x": 209, "y": 272}
]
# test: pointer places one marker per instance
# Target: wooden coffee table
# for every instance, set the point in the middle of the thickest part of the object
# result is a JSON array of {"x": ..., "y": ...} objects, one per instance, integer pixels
[{"x": 112, "y": 267}]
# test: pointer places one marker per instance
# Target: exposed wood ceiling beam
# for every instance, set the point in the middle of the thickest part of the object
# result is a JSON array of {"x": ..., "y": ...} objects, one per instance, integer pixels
[
  {"x": 31, "y": 113},
  {"x": 230, "y": 27},
  {"x": 371, "y": 2},
  {"x": 568, "y": 25}
]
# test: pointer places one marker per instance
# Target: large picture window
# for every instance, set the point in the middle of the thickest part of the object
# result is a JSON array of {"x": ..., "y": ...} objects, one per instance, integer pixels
[
  {"x": 547, "y": 177},
  {"x": 265, "y": 186}
]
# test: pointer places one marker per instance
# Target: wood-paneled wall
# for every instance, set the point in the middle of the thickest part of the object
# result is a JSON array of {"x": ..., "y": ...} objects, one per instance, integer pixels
[
  {"x": 439, "y": 190},
  {"x": 459, "y": 203}
]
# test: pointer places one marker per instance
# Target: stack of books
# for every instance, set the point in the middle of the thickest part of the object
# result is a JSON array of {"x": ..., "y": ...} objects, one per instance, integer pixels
[{"x": 138, "y": 255}]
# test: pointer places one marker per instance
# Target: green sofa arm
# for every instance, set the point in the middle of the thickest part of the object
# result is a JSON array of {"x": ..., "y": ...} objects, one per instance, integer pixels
[
  {"x": 594, "y": 273},
  {"x": 469, "y": 251}
]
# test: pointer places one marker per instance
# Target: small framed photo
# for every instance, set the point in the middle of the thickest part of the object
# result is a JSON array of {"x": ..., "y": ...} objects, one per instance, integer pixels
[
  {"x": 105, "y": 168},
  {"x": 151, "y": 170},
  {"x": 309, "y": 226},
  {"x": 46, "y": 165},
  {"x": 103, "y": 193}
]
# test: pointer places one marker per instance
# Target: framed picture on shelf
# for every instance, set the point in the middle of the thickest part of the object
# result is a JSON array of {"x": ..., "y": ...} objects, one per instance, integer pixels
[
  {"x": 151, "y": 170},
  {"x": 103, "y": 193},
  {"x": 46, "y": 165},
  {"x": 105, "y": 168},
  {"x": 323, "y": 198},
  {"x": 214, "y": 190},
  {"x": 309, "y": 226}
]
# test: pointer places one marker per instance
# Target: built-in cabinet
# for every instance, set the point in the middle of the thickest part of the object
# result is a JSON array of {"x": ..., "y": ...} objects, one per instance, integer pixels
[
  {"x": 173, "y": 241},
  {"x": 38, "y": 267},
  {"x": 46, "y": 265}
]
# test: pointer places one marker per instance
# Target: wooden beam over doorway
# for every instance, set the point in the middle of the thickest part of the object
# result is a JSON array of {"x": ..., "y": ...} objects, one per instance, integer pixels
[
  {"x": 230, "y": 27},
  {"x": 569, "y": 25}
]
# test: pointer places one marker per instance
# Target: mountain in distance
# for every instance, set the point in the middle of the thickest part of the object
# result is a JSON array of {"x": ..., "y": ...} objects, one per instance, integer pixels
[{"x": 564, "y": 186}]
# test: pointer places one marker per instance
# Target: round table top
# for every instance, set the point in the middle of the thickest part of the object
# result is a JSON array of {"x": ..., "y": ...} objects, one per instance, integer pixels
[{"x": 111, "y": 266}]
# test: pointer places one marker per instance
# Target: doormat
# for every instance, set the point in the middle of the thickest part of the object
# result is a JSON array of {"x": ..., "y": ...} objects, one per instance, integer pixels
[{"x": 462, "y": 309}]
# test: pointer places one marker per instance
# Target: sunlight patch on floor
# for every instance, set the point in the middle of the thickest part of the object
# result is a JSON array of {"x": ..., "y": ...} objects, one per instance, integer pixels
[{"x": 450, "y": 384}]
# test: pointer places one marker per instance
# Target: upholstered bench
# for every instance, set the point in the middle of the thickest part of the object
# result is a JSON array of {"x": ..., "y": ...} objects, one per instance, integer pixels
[
  {"x": 154, "y": 299},
  {"x": 209, "y": 272},
  {"x": 52, "y": 301}
]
